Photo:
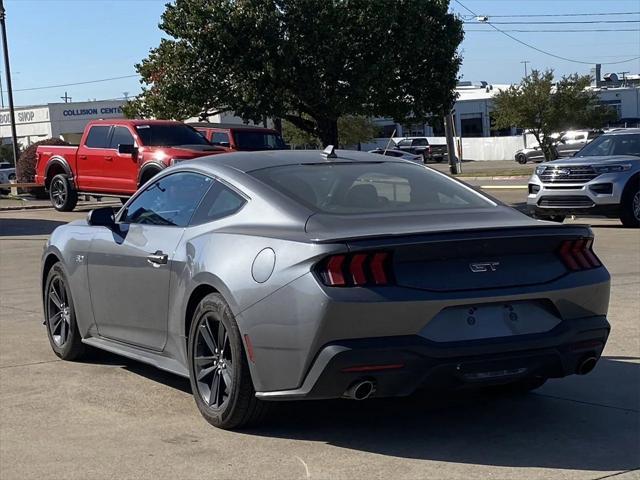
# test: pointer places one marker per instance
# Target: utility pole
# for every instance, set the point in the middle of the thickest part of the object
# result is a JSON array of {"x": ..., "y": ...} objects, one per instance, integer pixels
[
  {"x": 7, "y": 69},
  {"x": 454, "y": 166},
  {"x": 1, "y": 93},
  {"x": 526, "y": 73},
  {"x": 66, "y": 98}
]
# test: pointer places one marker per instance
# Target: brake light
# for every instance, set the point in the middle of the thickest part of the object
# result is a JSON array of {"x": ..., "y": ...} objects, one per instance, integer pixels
[
  {"x": 578, "y": 254},
  {"x": 360, "y": 269}
]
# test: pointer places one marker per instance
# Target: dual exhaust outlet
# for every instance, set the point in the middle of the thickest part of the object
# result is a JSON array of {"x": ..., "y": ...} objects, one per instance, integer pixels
[{"x": 363, "y": 389}]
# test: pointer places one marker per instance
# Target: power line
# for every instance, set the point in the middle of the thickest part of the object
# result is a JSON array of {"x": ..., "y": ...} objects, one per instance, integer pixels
[
  {"x": 565, "y": 22},
  {"x": 73, "y": 84},
  {"x": 588, "y": 30},
  {"x": 564, "y": 15},
  {"x": 539, "y": 49}
]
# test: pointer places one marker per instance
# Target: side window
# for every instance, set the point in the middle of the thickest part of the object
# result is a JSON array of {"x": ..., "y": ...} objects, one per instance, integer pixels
[
  {"x": 98, "y": 137},
  {"x": 121, "y": 136},
  {"x": 220, "y": 137},
  {"x": 172, "y": 200},
  {"x": 220, "y": 201},
  {"x": 420, "y": 142}
]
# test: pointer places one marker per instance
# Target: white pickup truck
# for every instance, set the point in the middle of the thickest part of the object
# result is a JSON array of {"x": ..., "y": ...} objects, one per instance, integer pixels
[{"x": 7, "y": 173}]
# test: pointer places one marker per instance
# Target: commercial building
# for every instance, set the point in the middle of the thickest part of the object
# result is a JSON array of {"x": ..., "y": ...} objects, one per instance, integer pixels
[{"x": 58, "y": 120}]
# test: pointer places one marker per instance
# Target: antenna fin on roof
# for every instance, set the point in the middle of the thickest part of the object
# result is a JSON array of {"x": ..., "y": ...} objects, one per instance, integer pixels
[{"x": 330, "y": 152}]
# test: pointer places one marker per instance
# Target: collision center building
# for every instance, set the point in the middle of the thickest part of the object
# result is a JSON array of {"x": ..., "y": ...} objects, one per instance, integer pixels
[{"x": 66, "y": 120}]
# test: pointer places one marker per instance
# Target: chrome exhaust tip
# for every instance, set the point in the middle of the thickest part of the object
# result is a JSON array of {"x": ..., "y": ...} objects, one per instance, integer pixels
[{"x": 360, "y": 390}]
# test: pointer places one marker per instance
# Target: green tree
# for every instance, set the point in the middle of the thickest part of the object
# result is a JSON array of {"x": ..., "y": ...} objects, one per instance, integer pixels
[
  {"x": 308, "y": 62},
  {"x": 351, "y": 131},
  {"x": 544, "y": 107}
]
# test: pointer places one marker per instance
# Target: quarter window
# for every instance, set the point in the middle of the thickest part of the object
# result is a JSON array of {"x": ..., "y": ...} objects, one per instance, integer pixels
[
  {"x": 172, "y": 200},
  {"x": 121, "y": 136},
  {"x": 98, "y": 137},
  {"x": 219, "y": 202}
]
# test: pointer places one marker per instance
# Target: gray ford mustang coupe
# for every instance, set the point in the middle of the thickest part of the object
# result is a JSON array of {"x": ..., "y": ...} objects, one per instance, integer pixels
[{"x": 287, "y": 275}]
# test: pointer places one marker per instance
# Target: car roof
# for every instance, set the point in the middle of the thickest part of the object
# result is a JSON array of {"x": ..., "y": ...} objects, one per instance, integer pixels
[
  {"x": 229, "y": 126},
  {"x": 249, "y": 161},
  {"x": 134, "y": 122},
  {"x": 623, "y": 131}
]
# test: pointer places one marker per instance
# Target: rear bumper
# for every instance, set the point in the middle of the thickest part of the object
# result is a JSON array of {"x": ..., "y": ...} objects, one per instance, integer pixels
[{"x": 413, "y": 362}]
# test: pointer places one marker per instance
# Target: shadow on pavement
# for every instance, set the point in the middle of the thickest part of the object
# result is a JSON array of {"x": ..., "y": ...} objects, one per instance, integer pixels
[
  {"x": 563, "y": 425},
  {"x": 27, "y": 226},
  {"x": 538, "y": 430}
]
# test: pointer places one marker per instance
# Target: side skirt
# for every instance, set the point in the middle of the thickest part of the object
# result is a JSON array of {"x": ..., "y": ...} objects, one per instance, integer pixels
[{"x": 151, "y": 358}]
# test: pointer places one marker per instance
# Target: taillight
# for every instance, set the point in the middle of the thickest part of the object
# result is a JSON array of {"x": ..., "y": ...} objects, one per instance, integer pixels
[
  {"x": 578, "y": 254},
  {"x": 356, "y": 270}
]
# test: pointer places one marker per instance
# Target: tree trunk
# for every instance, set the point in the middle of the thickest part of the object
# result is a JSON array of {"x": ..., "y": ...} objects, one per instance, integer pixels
[
  {"x": 328, "y": 132},
  {"x": 277, "y": 125}
]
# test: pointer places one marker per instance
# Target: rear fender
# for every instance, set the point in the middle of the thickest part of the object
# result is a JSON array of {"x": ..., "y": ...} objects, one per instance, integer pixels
[{"x": 56, "y": 165}]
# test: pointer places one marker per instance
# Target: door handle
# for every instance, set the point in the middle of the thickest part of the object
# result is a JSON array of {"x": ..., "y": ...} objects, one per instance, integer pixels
[
  {"x": 82, "y": 157},
  {"x": 158, "y": 258},
  {"x": 108, "y": 158}
]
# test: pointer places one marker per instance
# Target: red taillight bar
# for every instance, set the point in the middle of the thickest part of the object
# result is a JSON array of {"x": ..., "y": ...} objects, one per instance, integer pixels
[
  {"x": 578, "y": 254},
  {"x": 360, "y": 269}
]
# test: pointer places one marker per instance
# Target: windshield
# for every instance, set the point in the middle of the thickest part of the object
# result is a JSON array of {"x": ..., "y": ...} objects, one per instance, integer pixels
[
  {"x": 372, "y": 187},
  {"x": 169, "y": 135},
  {"x": 606, "y": 145},
  {"x": 256, "y": 140}
]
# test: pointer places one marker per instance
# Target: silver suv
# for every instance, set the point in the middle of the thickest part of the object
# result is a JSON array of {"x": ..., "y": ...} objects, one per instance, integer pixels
[{"x": 603, "y": 178}]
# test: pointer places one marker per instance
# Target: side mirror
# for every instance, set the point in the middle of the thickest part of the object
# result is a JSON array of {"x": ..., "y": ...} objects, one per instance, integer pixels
[
  {"x": 126, "y": 149},
  {"x": 101, "y": 217}
]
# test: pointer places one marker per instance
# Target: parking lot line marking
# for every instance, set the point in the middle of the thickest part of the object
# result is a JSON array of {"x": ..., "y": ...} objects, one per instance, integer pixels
[
  {"x": 306, "y": 469},
  {"x": 504, "y": 187}
]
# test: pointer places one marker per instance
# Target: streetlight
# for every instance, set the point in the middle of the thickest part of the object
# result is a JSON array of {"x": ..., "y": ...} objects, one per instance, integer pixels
[{"x": 12, "y": 115}]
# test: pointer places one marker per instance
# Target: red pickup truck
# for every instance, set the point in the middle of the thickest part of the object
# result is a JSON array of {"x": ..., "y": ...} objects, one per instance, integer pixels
[{"x": 115, "y": 157}]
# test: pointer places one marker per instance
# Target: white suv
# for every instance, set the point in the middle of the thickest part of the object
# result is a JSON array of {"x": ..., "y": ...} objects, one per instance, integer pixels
[{"x": 603, "y": 178}]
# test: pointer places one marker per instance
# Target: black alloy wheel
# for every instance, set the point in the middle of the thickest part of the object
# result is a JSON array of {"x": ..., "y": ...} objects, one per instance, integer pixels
[
  {"x": 63, "y": 197},
  {"x": 218, "y": 367},
  {"x": 60, "y": 318},
  {"x": 213, "y": 362}
]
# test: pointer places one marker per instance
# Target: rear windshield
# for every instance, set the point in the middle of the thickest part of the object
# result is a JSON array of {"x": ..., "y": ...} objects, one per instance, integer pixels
[
  {"x": 376, "y": 187},
  {"x": 248, "y": 140},
  {"x": 169, "y": 135}
]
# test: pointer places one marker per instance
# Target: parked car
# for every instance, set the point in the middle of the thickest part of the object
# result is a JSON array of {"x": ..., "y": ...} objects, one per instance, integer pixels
[
  {"x": 398, "y": 154},
  {"x": 318, "y": 275},
  {"x": 114, "y": 158},
  {"x": 601, "y": 179},
  {"x": 568, "y": 144},
  {"x": 421, "y": 146},
  {"x": 241, "y": 138},
  {"x": 7, "y": 173}
]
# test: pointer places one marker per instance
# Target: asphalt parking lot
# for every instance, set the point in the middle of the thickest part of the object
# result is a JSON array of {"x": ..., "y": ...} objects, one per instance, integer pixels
[{"x": 109, "y": 417}]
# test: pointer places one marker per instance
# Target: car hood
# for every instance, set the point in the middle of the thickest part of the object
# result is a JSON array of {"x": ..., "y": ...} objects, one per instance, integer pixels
[
  {"x": 187, "y": 151},
  {"x": 324, "y": 227},
  {"x": 600, "y": 160}
]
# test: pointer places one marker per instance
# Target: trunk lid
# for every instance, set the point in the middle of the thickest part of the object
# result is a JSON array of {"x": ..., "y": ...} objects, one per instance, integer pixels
[{"x": 466, "y": 252}]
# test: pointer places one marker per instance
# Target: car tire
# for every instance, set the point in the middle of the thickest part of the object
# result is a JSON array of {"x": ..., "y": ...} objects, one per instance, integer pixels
[
  {"x": 63, "y": 196},
  {"x": 60, "y": 316},
  {"x": 521, "y": 159},
  {"x": 212, "y": 368},
  {"x": 630, "y": 215}
]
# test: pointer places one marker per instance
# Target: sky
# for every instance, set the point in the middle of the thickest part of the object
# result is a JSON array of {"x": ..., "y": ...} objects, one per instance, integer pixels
[{"x": 55, "y": 42}]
